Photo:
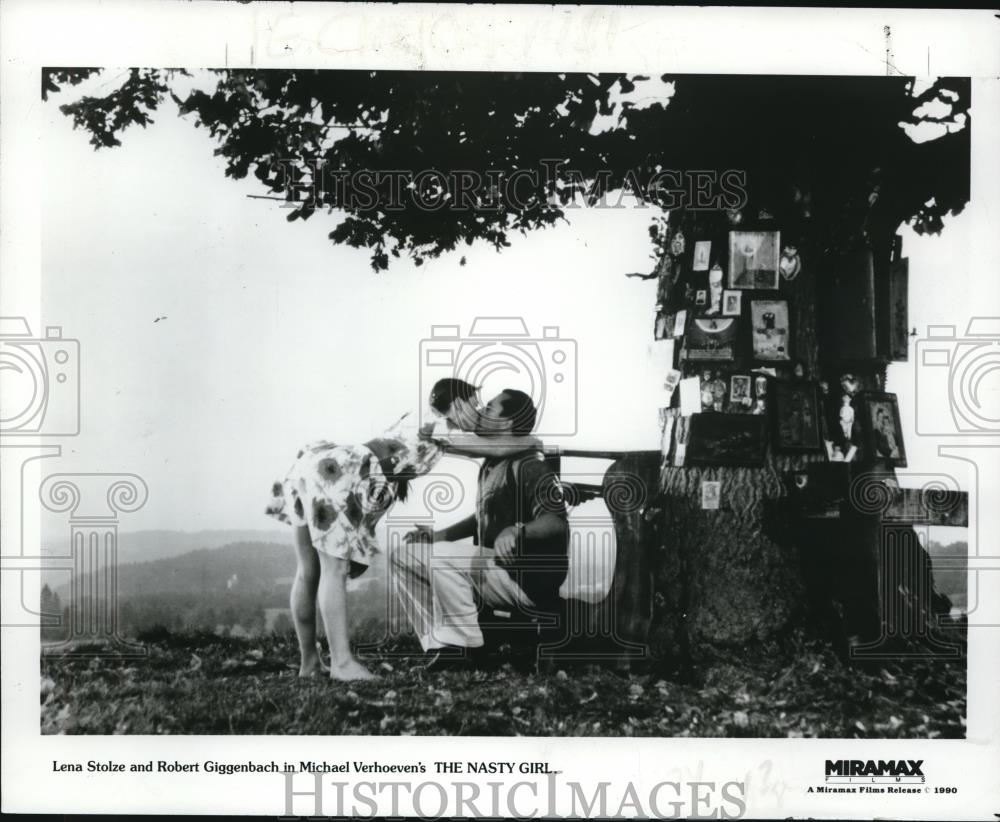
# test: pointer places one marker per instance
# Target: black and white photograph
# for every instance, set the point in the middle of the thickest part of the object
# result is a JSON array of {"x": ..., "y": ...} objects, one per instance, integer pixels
[
  {"x": 338, "y": 446},
  {"x": 770, "y": 332},
  {"x": 739, "y": 391},
  {"x": 796, "y": 411},
  {"x": 732, "y": 303},
  {"x": 753, "y": 259},
  {"x": 710, "y": 495},
  {"x": 882, "y": 429},
  {"x": 702, "y": 254}
]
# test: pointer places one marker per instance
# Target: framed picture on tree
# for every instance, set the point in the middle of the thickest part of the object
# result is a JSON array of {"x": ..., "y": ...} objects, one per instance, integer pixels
[
  {"x": 753, "y": 259},
  {"x": 892, "y": 330},
  {"x": 732, "y": 303},
  {"x": 702, "y": 253},
  {"x": 795, "y": 411},
  {"x": 883, "y": 434},
  {"x": 711, "y": 339},
  {"x": 739, "y": 390},
  {"x": 726, "y": 439},
  {"x": 899, "y": 326},
  {"x": 769, "y": 331}
]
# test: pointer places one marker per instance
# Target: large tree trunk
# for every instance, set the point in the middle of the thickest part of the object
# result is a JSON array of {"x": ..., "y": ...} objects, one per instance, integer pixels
[
  {"x": 720, "y": 579},
  {"x": 750, "y": 569},
  {"x": 721, "y": 576}
]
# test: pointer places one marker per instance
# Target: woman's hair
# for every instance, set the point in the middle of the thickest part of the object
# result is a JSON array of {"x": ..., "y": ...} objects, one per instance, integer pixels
[{"x": 449, "y": 389}]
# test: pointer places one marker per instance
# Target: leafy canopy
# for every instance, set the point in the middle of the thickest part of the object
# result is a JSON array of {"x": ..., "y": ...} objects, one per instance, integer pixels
[{"x": 835, "y": 153}]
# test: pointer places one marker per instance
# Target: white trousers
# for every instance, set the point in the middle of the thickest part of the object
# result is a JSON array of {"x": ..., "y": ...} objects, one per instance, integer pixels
[{"x": 439, "y": 586}]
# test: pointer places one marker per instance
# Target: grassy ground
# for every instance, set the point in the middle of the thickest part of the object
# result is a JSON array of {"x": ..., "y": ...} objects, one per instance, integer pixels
[{"x": 211, "y": 685}]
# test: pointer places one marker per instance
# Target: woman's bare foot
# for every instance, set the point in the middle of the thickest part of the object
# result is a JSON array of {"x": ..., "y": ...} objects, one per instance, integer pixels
[
  {"x": 312, "y": 667},
  {"x": 350, "y": 669}
]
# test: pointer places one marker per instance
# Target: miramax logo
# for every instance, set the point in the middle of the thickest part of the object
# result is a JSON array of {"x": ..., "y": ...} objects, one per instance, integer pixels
[{"x": 882, "y": 770}]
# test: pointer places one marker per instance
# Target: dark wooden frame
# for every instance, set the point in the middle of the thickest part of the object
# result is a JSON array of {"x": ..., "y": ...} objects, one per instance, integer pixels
[
  {"x": 867, "y": 401},
  {"x": 777, "y": 393},
  {"x": 709, "y": 430},
  {"x": 897, "y": 310}
]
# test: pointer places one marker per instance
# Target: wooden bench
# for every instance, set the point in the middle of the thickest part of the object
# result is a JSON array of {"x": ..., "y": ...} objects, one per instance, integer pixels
[{"x": 617, "y": 627}]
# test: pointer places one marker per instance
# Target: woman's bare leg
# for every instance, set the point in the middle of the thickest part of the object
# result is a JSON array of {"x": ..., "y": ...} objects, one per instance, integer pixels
[
  {"x": 333, "y": 608},
  {"x": 303, "y": 603}
]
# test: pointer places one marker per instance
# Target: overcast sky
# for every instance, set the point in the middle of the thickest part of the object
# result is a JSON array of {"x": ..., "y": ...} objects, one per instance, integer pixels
[{"x": 271, "y": 336}]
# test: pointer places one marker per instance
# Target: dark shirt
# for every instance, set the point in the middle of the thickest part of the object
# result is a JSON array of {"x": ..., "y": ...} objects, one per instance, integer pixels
[{"x": 520, "y": 488}]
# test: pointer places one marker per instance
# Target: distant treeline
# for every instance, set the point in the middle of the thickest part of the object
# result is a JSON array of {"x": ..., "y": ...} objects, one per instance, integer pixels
[
  {"x": 951, "y": 581},
  {"x": 227, "y": 589}
]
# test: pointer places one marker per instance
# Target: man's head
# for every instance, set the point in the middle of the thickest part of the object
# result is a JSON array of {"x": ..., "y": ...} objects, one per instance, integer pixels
[{"x": 509, "y": 412}]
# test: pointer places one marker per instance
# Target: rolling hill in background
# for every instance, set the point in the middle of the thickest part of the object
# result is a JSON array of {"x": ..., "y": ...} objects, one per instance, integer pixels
[
  {"x": 241, "y": 587},
  {"x": 146, "y": 546},
  {"x": 246, "y": 567},
  {"x": 151, "y": 546}
]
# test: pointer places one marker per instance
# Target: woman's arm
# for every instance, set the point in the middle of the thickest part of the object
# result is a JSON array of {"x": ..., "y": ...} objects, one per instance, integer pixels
[{"x": 469, "y": 444}]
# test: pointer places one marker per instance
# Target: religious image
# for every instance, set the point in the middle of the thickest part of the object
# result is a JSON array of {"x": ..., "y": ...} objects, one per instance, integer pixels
[
  {"x": 753, "y": 259},
  {"x": 797, "y": 416},
  {"x": 883, "y": 433},
  {"x": 769, "y": 330}
]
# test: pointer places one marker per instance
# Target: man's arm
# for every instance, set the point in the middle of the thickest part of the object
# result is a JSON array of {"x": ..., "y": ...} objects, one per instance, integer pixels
[
  {"x": 453, "y": 533},
  {"x": 460, "y": 530},
  {"x": 513, "y": 541},
  {"x": 469, "y": 444},
  {"x": 547, "y": 525}
]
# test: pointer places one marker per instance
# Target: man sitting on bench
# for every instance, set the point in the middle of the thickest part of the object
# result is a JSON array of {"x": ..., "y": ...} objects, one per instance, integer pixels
[{"x": 521, "y": 556}]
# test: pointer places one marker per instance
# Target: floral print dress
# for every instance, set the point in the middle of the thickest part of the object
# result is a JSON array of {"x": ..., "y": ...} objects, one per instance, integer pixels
[{"x": 340, "y": 492}]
